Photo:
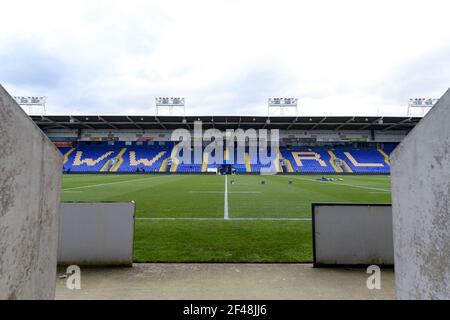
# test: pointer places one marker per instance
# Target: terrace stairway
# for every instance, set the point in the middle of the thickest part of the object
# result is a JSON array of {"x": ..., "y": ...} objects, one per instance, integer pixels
[{"x": 119, "y": 162}]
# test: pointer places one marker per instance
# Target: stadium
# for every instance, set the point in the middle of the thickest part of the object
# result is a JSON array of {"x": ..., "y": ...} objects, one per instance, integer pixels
[
  {"x": 224, "y": 155},
  {"x": 142, "y": 190},
  {"x": 180, "y": 209}
]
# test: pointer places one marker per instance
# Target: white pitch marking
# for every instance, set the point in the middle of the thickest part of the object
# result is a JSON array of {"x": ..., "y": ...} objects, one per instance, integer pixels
[
  {"x": 225, "y": 200},
  {"x": 237, "y": 219},
  {"x": 179, "y": 219},
  {"x": 108, "y": 183},
  {"x": 251, "y": 192},
  {"x": 339, "y": 184},
  {"x": 228, "y": 192},
  {"x": 274, "y": 219},
  {"x": 381, "y": 178},
  {"x": 206, "y": 192}
]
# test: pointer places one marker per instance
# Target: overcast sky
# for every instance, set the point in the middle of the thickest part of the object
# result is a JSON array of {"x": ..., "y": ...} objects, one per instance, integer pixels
[{"x": 225, "y": 57}]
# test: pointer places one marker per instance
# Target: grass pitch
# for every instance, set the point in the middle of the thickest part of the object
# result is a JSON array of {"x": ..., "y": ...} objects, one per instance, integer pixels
[{"x": 190, "y": 218}]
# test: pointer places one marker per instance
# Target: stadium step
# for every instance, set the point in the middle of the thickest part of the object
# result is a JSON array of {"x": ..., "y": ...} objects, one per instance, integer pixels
[
  {"x": 116, "y": 166},
  {"x": 67, "y": 154},
  {"x": 289, "y": 165},
  {"x": 276, "y": 161},
  {"x": 385, "y": 156},
  {"x": 248, "y": 167},
  {"x": 163, "y": 166},
  {"x": 226, "y": 155},
  {"x": 205, "y": 161},
  {"x": 333, "y": 159},
  {"x": 343, "y": 164},
  {"x": 174, "y": 158},
  {"x": 158, "y": 156},
  {"x": 107, "y": 166}
]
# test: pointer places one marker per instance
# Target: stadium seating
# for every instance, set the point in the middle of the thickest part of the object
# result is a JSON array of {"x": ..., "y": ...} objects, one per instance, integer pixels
[
  {"x": 363, "y": 160},
  {"x": 89, "y": 157},
  {"x": 190, "y": 167},
  {"x": 308, "y": 160},
  {"x": 256, "y": 162},
  {"x": 389, "y": 147},
  {"x": 323, "y": 159},
  {"x": 95, "y": 156},
  {"x": 144, "y": 157}
]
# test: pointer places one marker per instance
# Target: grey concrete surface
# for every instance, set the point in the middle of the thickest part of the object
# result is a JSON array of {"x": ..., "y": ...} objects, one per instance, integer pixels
[
  {"x": 420, "y": 174},
  {"x": 225, "y": 281},
  {"x": 96, "y": 233},
  {"x": 30, "y": 181}
]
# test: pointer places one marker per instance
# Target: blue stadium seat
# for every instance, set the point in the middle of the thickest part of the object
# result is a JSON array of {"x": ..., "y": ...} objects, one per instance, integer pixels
[{"x": 93, "y": 156}]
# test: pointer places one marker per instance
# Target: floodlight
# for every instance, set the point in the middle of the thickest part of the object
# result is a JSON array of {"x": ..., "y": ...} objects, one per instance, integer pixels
[
  {"x": 171, "y": 104},
  {"x": 282, "y": 106}
]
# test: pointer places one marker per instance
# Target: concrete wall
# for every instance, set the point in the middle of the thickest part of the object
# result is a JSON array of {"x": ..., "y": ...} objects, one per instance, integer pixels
[
  {"x": 421, "y": 207},
  {"x": 30, "y": 177},
  {"x": 352, "y": 234},
  {"x": 96, "y": 233}
]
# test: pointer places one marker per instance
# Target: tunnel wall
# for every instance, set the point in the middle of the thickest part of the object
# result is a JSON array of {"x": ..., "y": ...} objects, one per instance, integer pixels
[
  {"x": 420, "y": 173},
  {"x": 30, "y": 178}
]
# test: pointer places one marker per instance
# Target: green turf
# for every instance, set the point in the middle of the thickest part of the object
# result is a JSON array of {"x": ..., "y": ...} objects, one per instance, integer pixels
[
  {"x": 202, "y": 196},
  {"x": 222, "y": 241}
]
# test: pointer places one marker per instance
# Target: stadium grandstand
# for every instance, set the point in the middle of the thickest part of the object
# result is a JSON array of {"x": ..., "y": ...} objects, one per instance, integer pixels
[
  {"x": 307, "y": 145},
  {"x": 224, "y": 158}
]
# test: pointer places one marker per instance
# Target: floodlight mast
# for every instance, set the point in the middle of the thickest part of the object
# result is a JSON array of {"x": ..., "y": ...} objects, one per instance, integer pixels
[
  {"x": 31, "y": 102},
  {"x": 283, "y": 106},
  {"x": 172, "y": 104},
  {"x": 423, "y": 104}
]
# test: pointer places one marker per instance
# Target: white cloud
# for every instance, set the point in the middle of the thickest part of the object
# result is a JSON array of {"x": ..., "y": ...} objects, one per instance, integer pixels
[{"x": 225, "y": 57}]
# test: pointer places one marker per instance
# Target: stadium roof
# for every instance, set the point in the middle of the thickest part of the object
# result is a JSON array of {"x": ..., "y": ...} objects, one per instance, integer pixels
[{"x": 224, "y": 122}]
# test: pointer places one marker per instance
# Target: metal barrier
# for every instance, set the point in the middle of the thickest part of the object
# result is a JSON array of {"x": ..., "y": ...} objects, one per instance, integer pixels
[
  {"x": 352, "y": 234},
  {"x": 96, "y": 233}
]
